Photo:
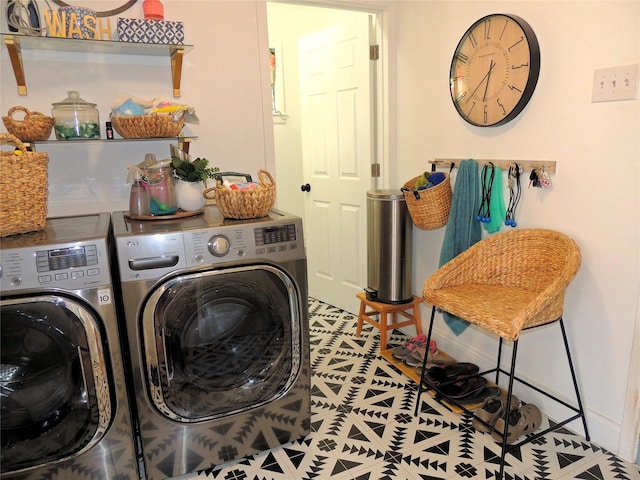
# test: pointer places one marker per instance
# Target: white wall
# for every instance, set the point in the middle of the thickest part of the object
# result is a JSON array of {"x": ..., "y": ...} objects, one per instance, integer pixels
[
  {"x": 595, "y": 196},
  {"x": 221, "y": 79}
]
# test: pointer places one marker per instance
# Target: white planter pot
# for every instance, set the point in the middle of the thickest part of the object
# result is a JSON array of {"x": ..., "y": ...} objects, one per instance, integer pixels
[{"x": 189, "y": 195}]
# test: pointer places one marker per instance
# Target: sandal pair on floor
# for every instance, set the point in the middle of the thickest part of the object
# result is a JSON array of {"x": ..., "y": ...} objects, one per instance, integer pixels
[
  {"x": 522, "y": 419},
  {"x": 444, "y": 374},
  {"x": 457, "y": 381}
]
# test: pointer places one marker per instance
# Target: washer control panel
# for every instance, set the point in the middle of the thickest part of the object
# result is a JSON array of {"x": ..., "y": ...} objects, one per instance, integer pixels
[{"x": 69, "y": 266}]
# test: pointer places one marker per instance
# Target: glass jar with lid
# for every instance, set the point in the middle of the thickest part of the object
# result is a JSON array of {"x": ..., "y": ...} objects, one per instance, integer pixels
[
  {"x": 75, "y": 118},
  {"x": 160, "y": 184}
]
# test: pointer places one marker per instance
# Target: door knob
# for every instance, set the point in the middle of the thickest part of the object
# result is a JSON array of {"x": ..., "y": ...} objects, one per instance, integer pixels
[{"x": 305, "y": 188}]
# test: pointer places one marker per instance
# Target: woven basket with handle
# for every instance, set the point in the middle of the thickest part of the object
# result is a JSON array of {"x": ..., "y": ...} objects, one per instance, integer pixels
[
  {"x": 23, "y": 188},
  {"x": 241, "y": 204},
  {"x": 34, "y": 126},
  {"x": 156, "y": 125},
  {"x": 429, "y": 208}
]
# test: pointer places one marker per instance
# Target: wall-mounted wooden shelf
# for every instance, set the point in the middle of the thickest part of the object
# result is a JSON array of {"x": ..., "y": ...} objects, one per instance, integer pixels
[{"x": 16, "y": 42}]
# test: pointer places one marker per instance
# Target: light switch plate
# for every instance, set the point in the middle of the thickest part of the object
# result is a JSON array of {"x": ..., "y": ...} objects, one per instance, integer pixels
[{"x": 615, "y": 83}]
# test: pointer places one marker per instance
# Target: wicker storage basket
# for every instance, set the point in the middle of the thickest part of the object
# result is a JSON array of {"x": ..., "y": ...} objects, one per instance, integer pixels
[
  {"x": 241, "y": 204},
  {"x": 23, "y": 188},
  {"x": 34, "y": 126},
  {"x": 429, "y": 208},
  {"x": 156, "y": 125}
]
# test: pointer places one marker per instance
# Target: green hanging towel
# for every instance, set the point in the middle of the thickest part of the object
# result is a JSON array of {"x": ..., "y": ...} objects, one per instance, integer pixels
[{"x": 463, "y": 230}]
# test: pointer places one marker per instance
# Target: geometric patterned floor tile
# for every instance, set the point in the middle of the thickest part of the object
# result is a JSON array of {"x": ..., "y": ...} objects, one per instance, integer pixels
[{"x": 363, "y": 426}]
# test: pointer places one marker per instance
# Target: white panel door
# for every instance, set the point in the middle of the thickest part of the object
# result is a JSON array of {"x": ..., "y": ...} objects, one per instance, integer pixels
[{"x": 337, "y": 132}]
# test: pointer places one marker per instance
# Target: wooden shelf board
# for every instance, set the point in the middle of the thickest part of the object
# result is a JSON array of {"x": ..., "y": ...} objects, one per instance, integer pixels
[{"x": 413, "y": 375}]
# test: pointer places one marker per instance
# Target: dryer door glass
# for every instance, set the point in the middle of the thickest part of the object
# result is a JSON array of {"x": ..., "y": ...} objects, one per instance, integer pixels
[
  {"x": 222, "y": 341},
  {"x": 48, "y": 389}
]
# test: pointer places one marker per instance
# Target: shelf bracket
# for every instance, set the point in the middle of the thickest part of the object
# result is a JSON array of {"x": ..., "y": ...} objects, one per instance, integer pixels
[
  {"x": 176, "y": 69},
  {"x": 184, "y": 144},
  {"x": 13, "y": 45}
]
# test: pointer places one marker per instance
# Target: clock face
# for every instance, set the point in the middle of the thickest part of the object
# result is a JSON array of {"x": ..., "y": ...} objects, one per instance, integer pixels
[{"x": 494, "y": 70}]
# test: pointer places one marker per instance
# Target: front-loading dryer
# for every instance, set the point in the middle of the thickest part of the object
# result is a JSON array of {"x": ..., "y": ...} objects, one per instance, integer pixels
[
  {"x": 217, "y": 315},
  {"x": 64, "y": 406}
]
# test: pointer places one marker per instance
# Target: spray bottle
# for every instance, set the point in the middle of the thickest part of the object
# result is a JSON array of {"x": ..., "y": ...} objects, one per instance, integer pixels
[{"x": 138, "y": 198}]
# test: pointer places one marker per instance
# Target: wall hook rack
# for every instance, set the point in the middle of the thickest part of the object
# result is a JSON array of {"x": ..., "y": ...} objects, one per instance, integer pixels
[{"x": 548, "y": 165}]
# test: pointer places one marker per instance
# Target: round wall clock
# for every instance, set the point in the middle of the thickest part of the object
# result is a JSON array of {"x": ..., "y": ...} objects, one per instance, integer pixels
[
  {"x": 494, "y": 70},
  {"x": 105, "y": 13}
]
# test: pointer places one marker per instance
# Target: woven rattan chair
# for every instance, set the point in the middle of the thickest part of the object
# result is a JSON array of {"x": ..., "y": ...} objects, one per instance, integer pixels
[{"x": 505, "y": 284}]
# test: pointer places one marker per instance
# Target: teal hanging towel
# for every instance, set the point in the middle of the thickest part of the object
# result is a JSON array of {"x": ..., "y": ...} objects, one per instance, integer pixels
[{"x": 463, "y": 230}]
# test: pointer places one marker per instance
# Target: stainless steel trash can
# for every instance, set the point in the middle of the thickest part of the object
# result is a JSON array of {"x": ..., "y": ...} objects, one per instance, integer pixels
[{"x": 389, "y": 247}]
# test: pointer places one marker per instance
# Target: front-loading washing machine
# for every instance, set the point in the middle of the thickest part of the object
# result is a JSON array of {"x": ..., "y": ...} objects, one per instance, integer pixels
[
  {"x": 64, "y": 405},
  {"x": 217, "y": 316}
]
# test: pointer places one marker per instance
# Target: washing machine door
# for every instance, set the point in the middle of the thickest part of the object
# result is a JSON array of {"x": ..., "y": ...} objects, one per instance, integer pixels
[
  {"x": 54, "y": 397},
  {"x": 222, "y": 341}
]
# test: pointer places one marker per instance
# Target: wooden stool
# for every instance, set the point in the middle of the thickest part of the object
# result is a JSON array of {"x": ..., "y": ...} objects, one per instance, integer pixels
[{"x": 383, "y": 309}]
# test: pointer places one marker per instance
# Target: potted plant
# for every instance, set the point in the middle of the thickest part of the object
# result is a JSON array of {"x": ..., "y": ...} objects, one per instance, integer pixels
[{"x": 190, "y": 181}]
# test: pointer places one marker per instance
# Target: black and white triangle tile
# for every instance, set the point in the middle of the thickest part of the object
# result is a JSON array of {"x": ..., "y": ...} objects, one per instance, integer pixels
[{"x": 363, "y": 427}]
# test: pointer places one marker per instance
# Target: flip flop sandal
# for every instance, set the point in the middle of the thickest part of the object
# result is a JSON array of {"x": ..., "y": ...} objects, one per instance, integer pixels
[
  {"x": 464, "y": 387},
  {"x": 523, "y": 420},
  {"x": 443, "y": 374},
  {"x": 431, "y": 364},
  {"x": 492, "y": 408}
]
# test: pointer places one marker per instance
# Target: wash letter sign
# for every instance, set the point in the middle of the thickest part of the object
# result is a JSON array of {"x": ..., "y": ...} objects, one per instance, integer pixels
[{"x": 77, "y": 24}]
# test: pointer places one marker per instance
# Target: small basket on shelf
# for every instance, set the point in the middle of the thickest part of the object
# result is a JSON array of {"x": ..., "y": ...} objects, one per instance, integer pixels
[
  {"x": 34, "y": 126},
  {"x": 244, "y": 204},
  {"x": 430, "y": 207},
  {"x": 23, "y": 188},
  {"x": 155, "y": 125}
]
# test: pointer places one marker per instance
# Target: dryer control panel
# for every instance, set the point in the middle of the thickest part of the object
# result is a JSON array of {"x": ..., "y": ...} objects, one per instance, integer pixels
[
  {"x": 279, "y": 243},
  {"x": 148, "y": 250}
]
